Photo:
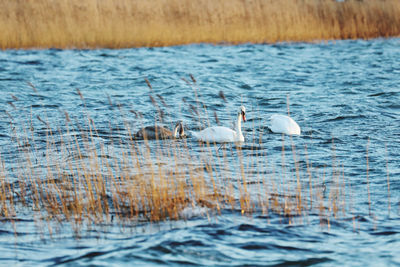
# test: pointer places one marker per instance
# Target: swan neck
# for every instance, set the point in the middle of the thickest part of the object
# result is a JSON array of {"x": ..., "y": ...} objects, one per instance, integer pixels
[
  {"x": 176, "y": 131},
  {"x": 181, "y": 133},
  {"x": 239, "y": 125}
]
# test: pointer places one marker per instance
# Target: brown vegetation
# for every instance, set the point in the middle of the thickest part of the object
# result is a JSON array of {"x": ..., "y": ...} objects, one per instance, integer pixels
[
  {"x": 136, "y": 23},
  {"x": 81, "y": 179}
]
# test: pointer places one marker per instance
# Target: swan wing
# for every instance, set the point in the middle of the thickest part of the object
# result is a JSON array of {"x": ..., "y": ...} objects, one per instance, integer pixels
[
  {"x": 218, "y": 134},
  {"x": 153, "y": 132},
  {"x": 284, "y": 124}
]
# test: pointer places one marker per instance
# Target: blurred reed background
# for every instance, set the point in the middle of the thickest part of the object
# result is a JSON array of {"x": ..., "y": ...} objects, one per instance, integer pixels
[{"x": 136, "y": 23}]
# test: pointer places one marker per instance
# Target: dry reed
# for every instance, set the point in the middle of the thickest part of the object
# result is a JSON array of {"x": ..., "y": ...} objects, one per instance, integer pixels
[
  {"x": 137, "y": 23},
  {"x": 80, "y": 179}
]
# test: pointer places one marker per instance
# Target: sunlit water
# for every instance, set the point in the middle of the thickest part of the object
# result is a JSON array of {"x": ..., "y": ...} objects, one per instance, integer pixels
[{"x": 345, "y": 95}]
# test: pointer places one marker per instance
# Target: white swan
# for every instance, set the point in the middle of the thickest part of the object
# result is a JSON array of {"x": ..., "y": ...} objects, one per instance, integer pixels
[
  {"x": 160, "y": 132},
  {"x": 220, "y": 134},
  {"x": 284, "y": 124}
]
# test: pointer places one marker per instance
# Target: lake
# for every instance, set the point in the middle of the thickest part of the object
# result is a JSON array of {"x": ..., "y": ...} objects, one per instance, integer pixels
[{"x": 345, "y": 95}]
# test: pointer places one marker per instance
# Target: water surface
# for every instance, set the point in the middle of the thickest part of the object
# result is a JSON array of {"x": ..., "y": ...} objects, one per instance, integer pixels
[{"x": 345, "y": 95}]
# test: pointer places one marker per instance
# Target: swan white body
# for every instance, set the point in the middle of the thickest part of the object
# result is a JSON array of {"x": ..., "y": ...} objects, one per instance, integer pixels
[
  {"x": 284, "y": 124},
  {"x": 220, "y": 134}
]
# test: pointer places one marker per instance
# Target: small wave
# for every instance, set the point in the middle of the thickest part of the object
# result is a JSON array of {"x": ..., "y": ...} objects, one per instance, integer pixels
[
  {"x": 32, "y": 62},
  {"x": 9, "y": 79},
  {"x": 340, "y": 118},
  {"x": 332, "y": 140},
  {"x": 252, "y": 228},
  {"x": 385, "y": 233},
  {"x": 245, "y": 86},
  {"x": 89, "y": 256},
  {"x": 107, "y": 55},
  {"x": 45, "y": 106},
  {"x": 209, "y": 61},
  {"x": 394, "y": 106},
  {"x": 4, "y": 232},
  {"x": 305, "y": 262},
  {"x": 385, "y": 94}
]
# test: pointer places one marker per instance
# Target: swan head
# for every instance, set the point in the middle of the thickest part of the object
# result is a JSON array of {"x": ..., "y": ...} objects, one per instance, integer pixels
[
  {"x": 242, "y": 113},
  {"x": 179, "y": 131}
]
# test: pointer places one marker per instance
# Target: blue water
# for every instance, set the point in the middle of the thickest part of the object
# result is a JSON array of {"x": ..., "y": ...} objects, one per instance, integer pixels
[{"x": 345, "y": 95}]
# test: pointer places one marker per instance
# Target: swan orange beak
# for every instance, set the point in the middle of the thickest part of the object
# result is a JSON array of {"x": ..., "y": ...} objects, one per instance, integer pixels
[{"x": 244, "y": 116}]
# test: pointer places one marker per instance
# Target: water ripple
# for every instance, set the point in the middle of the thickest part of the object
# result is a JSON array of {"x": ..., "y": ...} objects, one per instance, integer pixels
[{"x": 344, "y": 95}]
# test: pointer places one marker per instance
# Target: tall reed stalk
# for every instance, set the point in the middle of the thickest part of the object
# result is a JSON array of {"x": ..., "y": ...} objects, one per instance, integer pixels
[{"x": 79, "y": 178}]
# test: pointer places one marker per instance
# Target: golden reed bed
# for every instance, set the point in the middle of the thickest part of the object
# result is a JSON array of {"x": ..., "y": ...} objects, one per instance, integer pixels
[
  {"x": 136, "y": 23},
  {"x": 82, "y": 179}
]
